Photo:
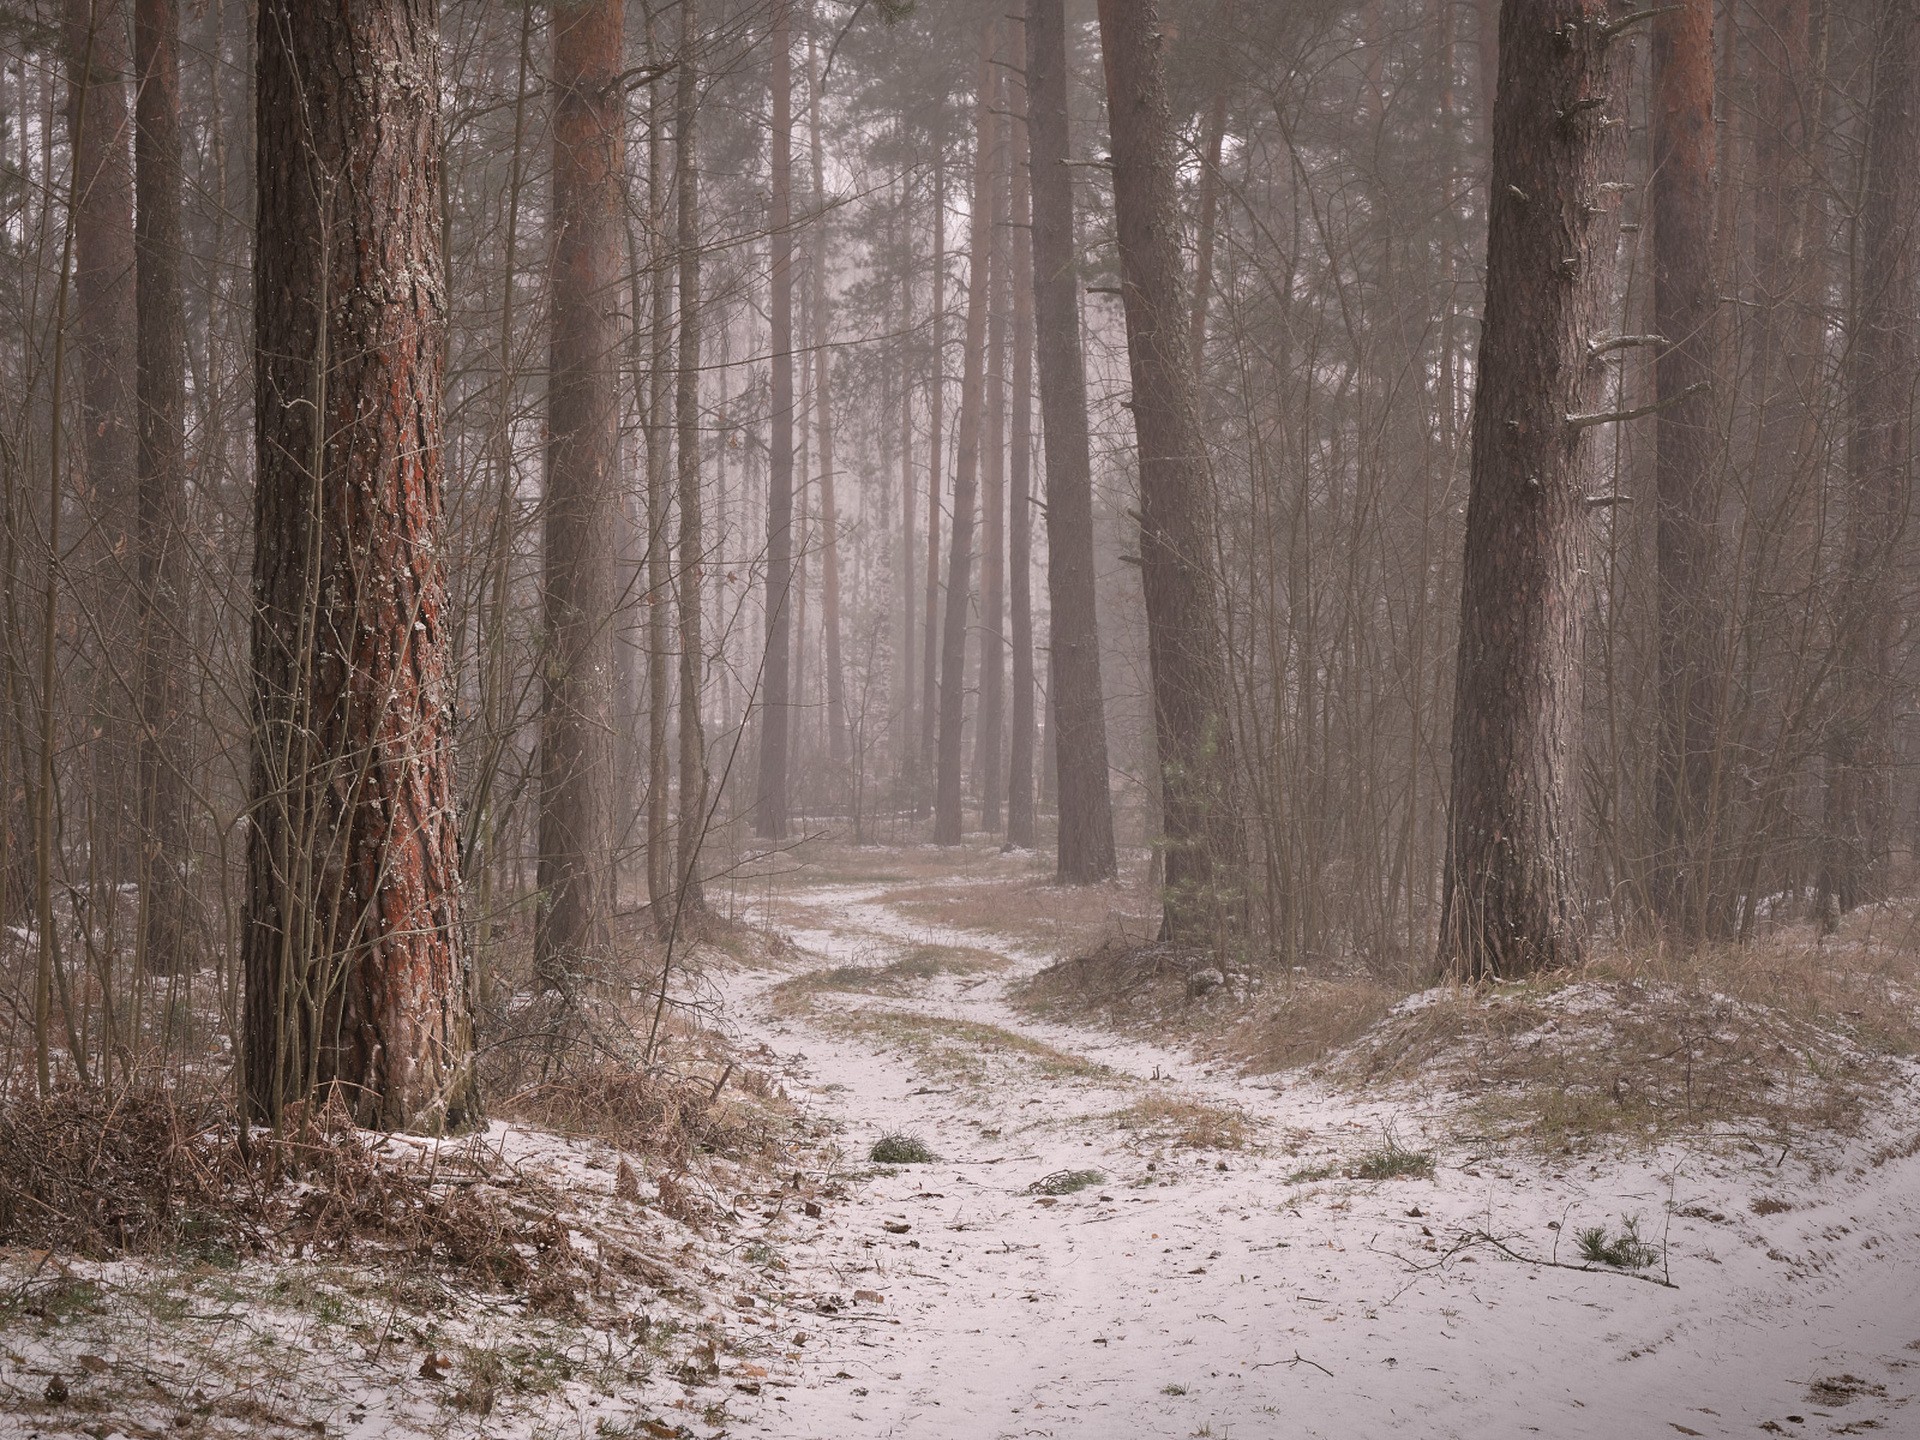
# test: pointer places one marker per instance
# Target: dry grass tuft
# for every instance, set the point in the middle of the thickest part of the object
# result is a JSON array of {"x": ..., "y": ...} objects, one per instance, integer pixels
[
  {"x": 1304, "y": 1018},
  {"x": 670, "y": 1118},
  {"x": 1562, "y": 1063},
  {"x": 920, "y": 966},
  {"x": 957, "y": 1046},
  {"x": 1188, "y": 1124},
  {"x": 111, "y": 1172}
]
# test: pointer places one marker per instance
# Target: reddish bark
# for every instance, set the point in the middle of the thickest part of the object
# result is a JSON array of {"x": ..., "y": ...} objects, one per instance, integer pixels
[{"x": 355, "y": 949}]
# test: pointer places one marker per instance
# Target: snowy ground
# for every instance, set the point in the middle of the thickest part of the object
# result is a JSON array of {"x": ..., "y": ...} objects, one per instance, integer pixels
[
  {"x": 1201, "y": 1292},
  {"x": 1208, "y": 1282}
]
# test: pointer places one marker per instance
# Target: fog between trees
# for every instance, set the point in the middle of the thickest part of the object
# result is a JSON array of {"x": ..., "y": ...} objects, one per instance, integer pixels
[{"x": 480, "y": 477}]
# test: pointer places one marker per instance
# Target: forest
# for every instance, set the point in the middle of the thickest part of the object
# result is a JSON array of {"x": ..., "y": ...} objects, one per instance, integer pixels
[{"x": 959, "y": 718}]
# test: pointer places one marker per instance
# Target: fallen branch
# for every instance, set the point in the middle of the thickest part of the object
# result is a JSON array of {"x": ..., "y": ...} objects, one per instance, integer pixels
[{"x": 1298, "y": 1359}]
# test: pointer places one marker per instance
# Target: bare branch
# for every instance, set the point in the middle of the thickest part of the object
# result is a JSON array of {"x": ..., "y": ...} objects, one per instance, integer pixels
[{"x": 1613, "y": 417}]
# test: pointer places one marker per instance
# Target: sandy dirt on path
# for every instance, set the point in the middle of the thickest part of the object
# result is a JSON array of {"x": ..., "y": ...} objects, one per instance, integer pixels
[{"x": 1196, "y": 1290}]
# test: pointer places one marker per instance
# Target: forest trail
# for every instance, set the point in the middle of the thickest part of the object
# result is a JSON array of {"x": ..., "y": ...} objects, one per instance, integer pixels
[{"x": 1211, "y": 1282}]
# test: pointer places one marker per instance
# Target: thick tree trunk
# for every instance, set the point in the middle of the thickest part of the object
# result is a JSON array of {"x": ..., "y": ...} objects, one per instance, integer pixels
[
  {"x": 948, "y": 825},
  {"x": 936, "y": 469},
  {"x": 355, "y": 951},
  {"x": 1509, "y": 904},
  {"x": 1077, "y": 735},
  {"x": 1020, "y": 517},
  {"x": 574, "y": 937},
  {"x": 692, "y": 538},
  {"x": 990, "y": 733},
  {"x": 165, "y": 864},
  {"x": 771, "y": 806},
  {"x": 1691, "y": 641},
  {"x": 1206, "y": 854},
  {"x": 104, "y": 310},
  {"x": 1882, "y": 374}
]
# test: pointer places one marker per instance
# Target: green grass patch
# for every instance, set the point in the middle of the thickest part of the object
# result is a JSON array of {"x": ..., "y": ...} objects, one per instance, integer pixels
[
  {"x": 1392, "y": 1161},
  {"x": 901, "y": 1149}
]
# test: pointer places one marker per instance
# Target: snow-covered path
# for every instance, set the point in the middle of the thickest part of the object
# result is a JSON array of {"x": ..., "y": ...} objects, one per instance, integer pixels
[{"x": 1201, "y": 1291}]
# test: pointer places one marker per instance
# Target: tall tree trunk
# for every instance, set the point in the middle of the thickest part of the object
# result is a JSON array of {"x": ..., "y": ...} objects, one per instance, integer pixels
[
  {"x": 829, "y": 509},
  {"x": 660, "y": 869},
  {"x": 1882, "y": 373},
  {"x": 990, "y": 732},
  {"x": 1509, "y": 904},
  {"x": 104, "y": 330},
  {"x": 909, "y": 733},
  {"x": 1020, "y": 519},
  {"x": 692, "y": 538},
  {"x": 1681, "y": 198},
  {"x": 162, "y": 341},
  {"x": 936, "y": 469},
  {"x": 1077, "y": 735},
  {"x": 575, "y": 930},
  {"x": 355, "y": 949},
  {"x": 771, "y": 807},
  {"x": 948, "y": 825},
  {"x": 1206, "y": 854}
]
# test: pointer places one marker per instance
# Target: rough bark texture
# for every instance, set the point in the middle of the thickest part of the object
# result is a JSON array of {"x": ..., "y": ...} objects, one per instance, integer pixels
[
  {"x": 770, "y": 809},
  {"x": 1510, "y": 905},
  {"x": 104, "y": 330},
  {"x": 692, "y": 538},
  {"x": 1020, "y": 494},
  {"x": 948, "y": 824},
  {"x": 1077, "y": 733},
  {"x": 162, "y": 337},
  {"x": 1205, "y": 841},
  {"x": 356, "y": 959},
  {"x": 574, "y": 937},
  {"x": 1882, "y": 373},
  {"x": 1690, "y": 621}
]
